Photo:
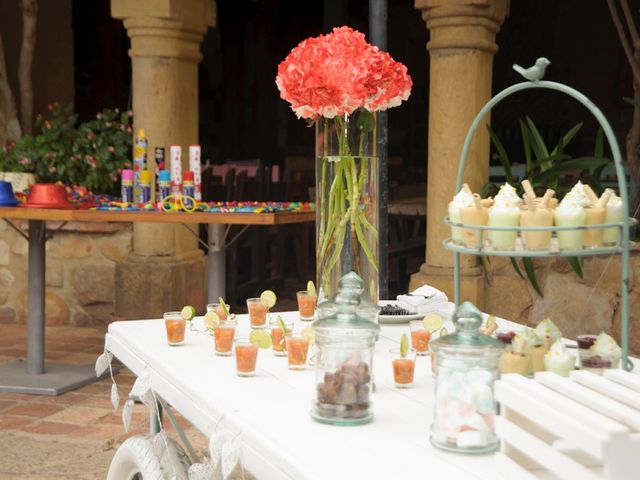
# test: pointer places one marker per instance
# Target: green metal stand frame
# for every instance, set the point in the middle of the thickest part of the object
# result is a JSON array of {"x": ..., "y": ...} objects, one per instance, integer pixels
[{"x": 625, "y": 243}]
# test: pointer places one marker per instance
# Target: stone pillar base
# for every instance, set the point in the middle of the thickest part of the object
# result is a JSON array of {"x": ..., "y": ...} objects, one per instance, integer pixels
[
  {"x": 147, "y": 289},
  {"x": 472, "y": 282}
]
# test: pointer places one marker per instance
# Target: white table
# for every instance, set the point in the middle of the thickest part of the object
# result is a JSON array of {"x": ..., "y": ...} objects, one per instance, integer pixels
[{"x": 270, "y": 412}]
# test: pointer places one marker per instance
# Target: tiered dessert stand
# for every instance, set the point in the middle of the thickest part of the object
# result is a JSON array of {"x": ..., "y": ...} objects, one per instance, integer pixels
[{"x": 585, "y": 427}]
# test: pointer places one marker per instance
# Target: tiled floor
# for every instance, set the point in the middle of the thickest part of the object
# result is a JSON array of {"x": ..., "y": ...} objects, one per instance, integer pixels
[{"x": 81, "y": 420}]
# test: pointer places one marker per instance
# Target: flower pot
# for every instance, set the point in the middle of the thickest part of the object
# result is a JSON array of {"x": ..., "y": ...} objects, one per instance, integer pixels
[
  {"x": 347, "y": 201},
  {"x": 20, "y": 181}
]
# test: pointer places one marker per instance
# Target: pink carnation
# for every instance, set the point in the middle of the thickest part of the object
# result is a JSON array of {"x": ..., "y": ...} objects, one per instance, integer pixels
[{"x": 338, "y": 73}]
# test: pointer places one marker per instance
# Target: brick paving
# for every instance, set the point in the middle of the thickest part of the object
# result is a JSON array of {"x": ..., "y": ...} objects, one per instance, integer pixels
[{"x": 83, "y": 417}]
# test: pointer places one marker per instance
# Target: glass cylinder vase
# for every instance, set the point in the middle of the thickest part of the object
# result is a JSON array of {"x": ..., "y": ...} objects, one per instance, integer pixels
[{"x": 347, "y": 201}]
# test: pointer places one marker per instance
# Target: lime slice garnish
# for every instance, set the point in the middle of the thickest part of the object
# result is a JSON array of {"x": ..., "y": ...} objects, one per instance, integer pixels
[
  {"x": 311, "y": 288},
  {"x": 310, "y": 334},
  {"x": 261, "y": 338},
  {"x": 223, "y": 305},
  {"x": 432, "y": 322},
  {"x": 443, "y": 332},
  {"x": 404, "y": 345},
  {"x": 491, "y": 325},
  {"x": 268, "y": 298},
  {"x": 282, "y": 325},
  {"x": 211, "y": 320},
  {"x": 188, "y": 313}
]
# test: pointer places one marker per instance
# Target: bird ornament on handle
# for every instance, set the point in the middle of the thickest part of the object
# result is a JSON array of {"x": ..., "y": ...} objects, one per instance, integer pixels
[{"x": 534, "y": 73}]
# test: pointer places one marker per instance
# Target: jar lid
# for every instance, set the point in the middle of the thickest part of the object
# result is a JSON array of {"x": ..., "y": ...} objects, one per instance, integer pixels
[
  {"x": 467, "y": 320},
  {"x": 350, "y": 308}
]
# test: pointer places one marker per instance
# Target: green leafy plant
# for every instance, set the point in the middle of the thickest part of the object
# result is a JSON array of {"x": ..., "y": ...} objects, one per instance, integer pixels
[
  {"x": 91, "y": 153},
  {"x": 548, "y": 168}
]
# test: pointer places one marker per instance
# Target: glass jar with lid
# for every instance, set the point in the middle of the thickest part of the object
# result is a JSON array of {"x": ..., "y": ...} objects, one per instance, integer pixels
[
  {"x": 346, "y": 331},
  {"x": 466, "y": 368}
]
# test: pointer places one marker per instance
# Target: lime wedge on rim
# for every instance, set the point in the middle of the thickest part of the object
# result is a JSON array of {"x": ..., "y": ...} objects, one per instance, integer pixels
[
  {"x": 404, "y": 345},
  {"x": 211, "y": 320},
  {"x": 491, "y": 324},
  {"x": 310, "y": 334},
  {"x": 443, "y": 332},
  {"x": 188, "y": 313},
  {"x": 223, "y": 305},
  {"x": 261, "y": 338},
  {"x": 282, "y": 325},
  {"x": 432, "y": 322},
  {"x": 269, "y": 298},
  {"x": 311, "y": 288}
]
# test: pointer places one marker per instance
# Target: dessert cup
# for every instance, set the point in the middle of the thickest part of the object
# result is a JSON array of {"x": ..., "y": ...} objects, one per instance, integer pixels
[
  {"x": 536, "y": 357},
  {"x": 454, "y": 216},
  {"x": 611, "y": 236},
  {"x": 559, "y": 360},
  {"x": 514, "y": 363},
  {"x": 257, "y": 313},
  {"x": 473, "y": 216},
  {"x": 175, "y": 326},
  {"x": 574, "y": 217},
  {"x": 419, "y": 337},
  {"x": 403, "y": 367},
  {"x": 597, "y": 362},
  {"x": 306, "y": 305},
  {"x": 540, "y": 217},
  {"x": 246, "y": 356},
  {"x": 595, "y": 216},
  {"x": 223, "y": 338},
  {"x": 503, "y": 216}
]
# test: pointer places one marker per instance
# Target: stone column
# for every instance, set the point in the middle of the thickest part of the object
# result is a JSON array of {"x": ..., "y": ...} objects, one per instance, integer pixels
[
  {"x": 165, "y": 269},
  {"x": 461, "y": 49}
]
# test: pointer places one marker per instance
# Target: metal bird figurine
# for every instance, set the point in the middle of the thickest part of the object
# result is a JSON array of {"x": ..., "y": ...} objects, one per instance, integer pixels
[{"x": 534, "y": 73}]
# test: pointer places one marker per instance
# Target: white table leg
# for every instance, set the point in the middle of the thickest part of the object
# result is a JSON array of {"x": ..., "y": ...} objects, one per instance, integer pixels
[{"x": 217, "y": 265}]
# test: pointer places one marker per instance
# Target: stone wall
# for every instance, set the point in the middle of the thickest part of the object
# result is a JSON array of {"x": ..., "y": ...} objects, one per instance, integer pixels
[
  {"x": 586, "y": 305},
  {"x": 81, "y": 262}
]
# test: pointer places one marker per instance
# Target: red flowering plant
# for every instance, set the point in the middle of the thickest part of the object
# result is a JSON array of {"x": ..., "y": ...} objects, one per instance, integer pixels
[
  {"x": 90, "y": 154},
  {"x": 338, "y": 81}
]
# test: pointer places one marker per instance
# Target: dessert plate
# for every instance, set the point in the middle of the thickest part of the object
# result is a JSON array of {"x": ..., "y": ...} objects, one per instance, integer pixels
[{"x": 396, "y": 318}]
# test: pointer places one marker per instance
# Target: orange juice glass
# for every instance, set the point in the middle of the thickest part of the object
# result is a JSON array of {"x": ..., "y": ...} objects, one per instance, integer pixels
[
  {"x": 277, "y": 335},
  {"x": 403, "y": 367},
  {"x": 306, "y": 305},
  {"x": 246, "y": 356},
  {"x": 419, "y": 337},
  {"x": 217, "y": 307},
  {"x": 297, "y": 348},
  {"x": 257, "y": 313},
  {"x": 175, "y": 325},
  {"x": 223, "y": 336}
]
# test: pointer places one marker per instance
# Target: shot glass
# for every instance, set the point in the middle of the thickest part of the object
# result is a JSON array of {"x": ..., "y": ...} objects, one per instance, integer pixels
[
  {"x": 223, "y": 336},
  {"x": 403, "y": 367},
  {"x": 420, "y": 337},
  {"x": 297, "y": 348},
  {"x": 217, "y": 307},
  {"x": 246, "y": 356},
  {"x": 175, "y": 326},
  {"x": 257, "y": 313},
  {"x": 306, "y": 305},
  {"x": 277, "y": 336}
]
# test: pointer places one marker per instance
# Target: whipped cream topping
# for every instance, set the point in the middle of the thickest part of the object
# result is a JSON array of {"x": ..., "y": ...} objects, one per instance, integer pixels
[
  {"x": 507, "y": 197},
  {"x": 605, "y": 345},
  {"x": 558, "y": 351},
  {"x": 614, "y": 201},
  {"x": 579, "y": 195},
  {"x": 569, "y": 207},
  {"x": 547, "y": 329},
  {"x": 463, "y": 199}
]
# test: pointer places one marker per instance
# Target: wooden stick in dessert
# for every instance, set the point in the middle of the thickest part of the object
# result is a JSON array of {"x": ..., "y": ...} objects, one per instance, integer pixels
[
  {"x": 530, "y": 202},
  {"x": 604, "y": 199},
  {"x": 477, "y": 201},
  {"x": 528, "y": 188},
  {"x": 548, "y": 195},
  {"x": 591, "y": 194},
  {"x": 465, "y": 187}
]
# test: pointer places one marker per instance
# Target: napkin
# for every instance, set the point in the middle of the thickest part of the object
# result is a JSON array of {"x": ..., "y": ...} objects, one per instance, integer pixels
[{"x": 423, "y": 300}]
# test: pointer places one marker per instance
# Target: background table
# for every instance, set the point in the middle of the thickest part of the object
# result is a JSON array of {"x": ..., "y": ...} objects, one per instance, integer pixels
[{"x": 57, "y": 378}]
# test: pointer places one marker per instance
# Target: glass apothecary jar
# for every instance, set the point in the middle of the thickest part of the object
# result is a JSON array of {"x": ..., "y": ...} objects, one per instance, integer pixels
[
  {"x": 346, "y": 332},
  {"x": 466, "y": 368}
]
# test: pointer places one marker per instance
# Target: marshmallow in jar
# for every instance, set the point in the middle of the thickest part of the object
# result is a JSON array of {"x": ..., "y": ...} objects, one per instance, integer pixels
[
  {"x": 505, "y": 212},
  {"x": 467, "y": 366}
]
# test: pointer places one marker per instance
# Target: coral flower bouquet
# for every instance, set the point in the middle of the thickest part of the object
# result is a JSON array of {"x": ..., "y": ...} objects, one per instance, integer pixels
[{"x": 339, "y": 82}]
